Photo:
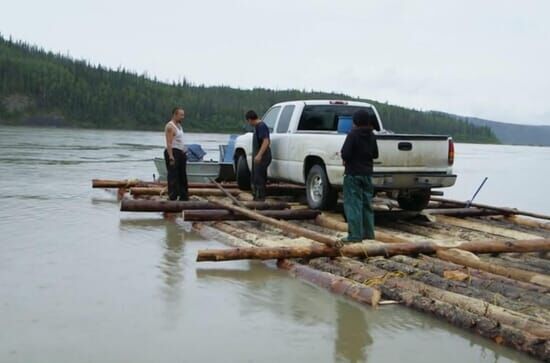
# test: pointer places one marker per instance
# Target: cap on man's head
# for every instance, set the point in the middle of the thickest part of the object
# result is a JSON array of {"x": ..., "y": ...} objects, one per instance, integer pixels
[
  {"x": 361, "y": 118},
  {"x": 251, "y": 115}
]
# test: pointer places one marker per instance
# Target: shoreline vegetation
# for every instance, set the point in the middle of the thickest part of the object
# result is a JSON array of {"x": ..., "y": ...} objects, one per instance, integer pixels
[{"x": 44, "y": 89}]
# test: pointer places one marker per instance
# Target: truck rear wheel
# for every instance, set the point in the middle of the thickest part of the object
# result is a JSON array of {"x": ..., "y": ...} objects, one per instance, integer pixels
[
  {"x": 243, "y": 173},
  {"x": 414, "y": 201},
  {"x": 320, "y": 194}
]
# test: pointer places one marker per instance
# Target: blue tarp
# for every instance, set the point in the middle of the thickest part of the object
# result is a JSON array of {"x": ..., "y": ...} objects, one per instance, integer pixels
[{"x": 344, "y": 124}]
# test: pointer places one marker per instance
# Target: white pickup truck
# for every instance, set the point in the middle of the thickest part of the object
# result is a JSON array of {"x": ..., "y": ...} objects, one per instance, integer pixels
[{"x": 306, "y": 138}]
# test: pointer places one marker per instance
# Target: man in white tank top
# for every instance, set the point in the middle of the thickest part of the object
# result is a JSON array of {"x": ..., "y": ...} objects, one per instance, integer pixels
[{"x": 175, "y": 156}]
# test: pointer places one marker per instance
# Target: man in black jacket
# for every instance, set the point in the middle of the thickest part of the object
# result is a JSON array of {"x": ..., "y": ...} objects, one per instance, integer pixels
[
  {"x": 261, "y": 153},
  {"x": 358, "y": 152}
]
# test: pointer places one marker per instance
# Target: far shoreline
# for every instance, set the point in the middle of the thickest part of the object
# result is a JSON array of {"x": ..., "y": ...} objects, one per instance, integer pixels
[{"x": 69, "y": 127}]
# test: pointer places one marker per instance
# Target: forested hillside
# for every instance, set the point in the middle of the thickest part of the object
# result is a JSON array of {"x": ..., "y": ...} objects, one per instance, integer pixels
[{"x": 43, "y": 88}]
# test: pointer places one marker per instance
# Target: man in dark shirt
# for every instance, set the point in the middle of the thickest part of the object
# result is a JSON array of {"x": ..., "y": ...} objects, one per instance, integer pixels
[
  {"x": 358, "y": 152},
  {"x": 261, "y": 152}
]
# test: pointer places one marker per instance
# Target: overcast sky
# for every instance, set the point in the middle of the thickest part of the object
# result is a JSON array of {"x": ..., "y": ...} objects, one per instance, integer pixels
[{"x": 489, "y": 59}]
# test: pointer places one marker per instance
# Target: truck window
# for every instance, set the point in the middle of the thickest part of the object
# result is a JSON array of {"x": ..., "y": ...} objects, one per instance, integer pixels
[
  {"x": 325, "y": 117},
  {"x": 284, "y": 120},
  {"x": 270, "y": 117}
]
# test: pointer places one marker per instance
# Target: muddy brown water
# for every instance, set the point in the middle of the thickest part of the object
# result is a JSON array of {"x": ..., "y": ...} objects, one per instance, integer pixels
[{"x": 81, "y": 282}]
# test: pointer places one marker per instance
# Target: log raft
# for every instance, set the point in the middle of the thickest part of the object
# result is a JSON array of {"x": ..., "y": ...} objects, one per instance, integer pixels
[{"x": 479, "y": 267}]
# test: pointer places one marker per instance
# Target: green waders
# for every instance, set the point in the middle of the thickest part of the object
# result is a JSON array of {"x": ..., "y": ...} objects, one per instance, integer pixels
[{"x": 358, "y": 193}]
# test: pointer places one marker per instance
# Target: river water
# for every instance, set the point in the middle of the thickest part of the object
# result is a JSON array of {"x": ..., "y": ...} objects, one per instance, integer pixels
[{"x": 81, "y": 282}]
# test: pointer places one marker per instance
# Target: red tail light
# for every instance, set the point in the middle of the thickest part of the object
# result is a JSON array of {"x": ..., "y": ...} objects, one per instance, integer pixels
[{"x": 451, "y": 155}]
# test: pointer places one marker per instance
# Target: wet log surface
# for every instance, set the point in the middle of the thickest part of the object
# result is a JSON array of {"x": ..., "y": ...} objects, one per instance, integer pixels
[
  {"x": 129, "y": 205},
  {"x": 512, "y": 289},
  {"x": 462, "y": 287},
  {"x": 516, "y": 274},
  {"x": 226, "y": 215},
  {"x": 397, "y": 288},
  {"x": 387, "y": 250}
]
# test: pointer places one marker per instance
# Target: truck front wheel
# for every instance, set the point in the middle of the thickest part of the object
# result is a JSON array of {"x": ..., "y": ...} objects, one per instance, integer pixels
[
  {"x": 320, "y": 194},
  {"x": 243, "y": 173},
  {"x": 415, "y": 200}
]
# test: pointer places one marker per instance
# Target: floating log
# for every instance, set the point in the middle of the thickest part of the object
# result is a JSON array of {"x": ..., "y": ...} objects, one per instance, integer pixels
[
  {"x": 518, "y": 263},
  {"x": 168, "y": 206},
  {"x": 461, "y": 212},
  {"x": 304, "y": 232},
  {"x": 502, "y": 210},
  {"x": 482, "y": 280},
  {"x": 527, "y": 222},
  {"x": 227, "y": 215},
  {"x": 529, "y": 260},
  {"x": 513, "y": 273},
  {"x": 373, "y": 275},
  {"x": 331, "y": 223},
  {"x": 412, "y": 294},
  {"x": 127, "y": 183},
  {"x": 460, "y": 287},
  {"x": 494, "y": 278},
  {"x": 486, "y": 228},
  {"x": 137, "y": 191},
  {"x": 335, "y": 284},
  {"x": 353, "y": 290},
  {"x": 371, "y": 250}
]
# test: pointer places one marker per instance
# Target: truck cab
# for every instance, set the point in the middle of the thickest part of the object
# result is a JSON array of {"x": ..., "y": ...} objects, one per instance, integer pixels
[{"x": 306, "y": 138}]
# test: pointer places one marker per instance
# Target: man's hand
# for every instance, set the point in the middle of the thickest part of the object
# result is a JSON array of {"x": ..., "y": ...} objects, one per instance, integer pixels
[
  {"x": 258, "y": 159},
  {"x": 172, "y": 161}
]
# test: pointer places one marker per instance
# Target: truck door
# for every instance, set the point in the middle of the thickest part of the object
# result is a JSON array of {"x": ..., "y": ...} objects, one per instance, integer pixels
[
  {"x": 280, "y": 144},
  {"x": 270, "y": 119}
]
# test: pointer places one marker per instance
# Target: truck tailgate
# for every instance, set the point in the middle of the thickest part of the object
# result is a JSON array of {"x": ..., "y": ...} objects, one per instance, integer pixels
[{"x": 412, "y": 153}]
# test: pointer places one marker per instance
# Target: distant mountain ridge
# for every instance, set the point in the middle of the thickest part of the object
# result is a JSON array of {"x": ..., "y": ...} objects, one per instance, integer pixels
[{"x": 514, "y": 134}]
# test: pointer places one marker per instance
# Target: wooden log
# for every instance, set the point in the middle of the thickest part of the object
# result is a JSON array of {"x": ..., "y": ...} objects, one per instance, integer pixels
[
  {"x": 318, "y": 237},
  {"x": 461, "y": 212},
  {"x": 227, "y": 215},
  {"x": 482, "y": 280},
  {"x": 537, "y": 327},
  {"x": 485, "y": 275},
  {"x": 137, "y": 191},
  {"x": 461, "y": 287},
  {"x": 335, "y": 284},
  {"x": 527, "y": 222},
  {"x": 127, "y": 183},
  {"x": 331, "y": 223},
  {"x": 129, "y": 205},
  {"x": 472, "y": 261},
  {"x": 248, "y": 234},
  {"x": 484, "y": 227},
  {"x": 531, "y": 260},
  {"x": 481, "y": 324},
  {"x": 520, "y": 263},
  {"x": 372, "y": 249},
  {"x": 502, "y": 210}
]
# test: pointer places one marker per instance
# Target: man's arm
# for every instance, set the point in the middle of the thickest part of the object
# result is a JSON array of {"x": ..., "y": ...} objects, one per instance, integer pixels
[
  {"x": 169, "y": 133},
  {"x": 375, "y": 148},
  {"x": 265, "y": 144}
]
